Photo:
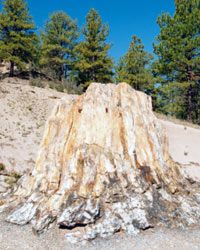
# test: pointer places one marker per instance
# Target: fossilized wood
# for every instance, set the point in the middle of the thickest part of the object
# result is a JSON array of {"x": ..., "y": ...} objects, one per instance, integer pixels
[{"x": 104, "y": 164}]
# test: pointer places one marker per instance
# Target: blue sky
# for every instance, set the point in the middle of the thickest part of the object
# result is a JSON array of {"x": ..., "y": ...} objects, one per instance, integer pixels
[{"x": 125, "y": 17}]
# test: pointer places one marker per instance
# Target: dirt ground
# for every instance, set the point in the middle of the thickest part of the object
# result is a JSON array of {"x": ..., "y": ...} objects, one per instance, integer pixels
[
  {"x": 184, "y": 147},
  {"x": 14, "y": 237}
]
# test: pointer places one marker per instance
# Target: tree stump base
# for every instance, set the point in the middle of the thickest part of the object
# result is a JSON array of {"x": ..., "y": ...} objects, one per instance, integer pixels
[{"x": 103, "y": 165}]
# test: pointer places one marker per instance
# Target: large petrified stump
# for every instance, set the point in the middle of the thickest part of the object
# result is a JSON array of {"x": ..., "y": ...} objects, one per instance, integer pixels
[{"x": 103, "y": 164}]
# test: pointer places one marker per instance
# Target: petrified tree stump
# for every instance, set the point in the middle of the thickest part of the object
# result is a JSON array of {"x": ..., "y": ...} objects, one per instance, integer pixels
[{"x": 103, "y": 164}]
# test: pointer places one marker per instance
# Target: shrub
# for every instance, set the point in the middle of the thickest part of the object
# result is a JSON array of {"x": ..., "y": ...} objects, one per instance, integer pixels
[
  {"x": 72, "y": 88},
  {"x": 2, "y": 167},
  {"x": 37, "y": 82}
]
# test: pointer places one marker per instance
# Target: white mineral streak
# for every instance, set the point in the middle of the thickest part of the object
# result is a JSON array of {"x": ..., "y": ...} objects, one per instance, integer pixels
[{"x": 102, "y": 160}]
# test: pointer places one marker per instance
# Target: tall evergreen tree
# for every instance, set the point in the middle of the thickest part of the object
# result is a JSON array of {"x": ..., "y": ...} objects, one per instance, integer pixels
[
  {"x": 133, "y": 67},
  {"x": 178, "y": 61},
  {"x": 58, "y": 41},
  {"x": 93, "y": 62},
  {"x": 17, "y": 39}
]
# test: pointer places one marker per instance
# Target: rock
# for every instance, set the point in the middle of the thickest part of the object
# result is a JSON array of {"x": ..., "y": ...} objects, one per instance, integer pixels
[
  {"x": 103, "y": 165},
  {"x": 4, "y": 67},
  {"x": 85, "y": 212}
]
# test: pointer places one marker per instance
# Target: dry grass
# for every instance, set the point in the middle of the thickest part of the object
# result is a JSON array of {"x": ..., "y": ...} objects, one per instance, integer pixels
[
  {"x": 2, "y": 202},
  {"x": 176, "y": 121}
]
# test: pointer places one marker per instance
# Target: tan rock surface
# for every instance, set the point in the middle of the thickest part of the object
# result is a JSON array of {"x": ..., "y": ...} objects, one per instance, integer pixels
[{"x": 4, "y": 67}]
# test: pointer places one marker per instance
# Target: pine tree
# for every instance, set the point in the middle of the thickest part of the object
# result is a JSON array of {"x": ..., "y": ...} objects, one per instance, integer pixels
[
  {"x": 58, "y": 42},
  {"x": 178, "y": 61},
  {"x": 17, "y": 39},
  {"x": 133, "y": 67},
  {"x": 93, "y": 62},
  {"x": 121, "y": 70}
]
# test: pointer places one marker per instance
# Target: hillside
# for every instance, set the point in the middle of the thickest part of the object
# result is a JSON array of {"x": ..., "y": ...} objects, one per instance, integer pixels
[{"x": 23, "y": 111}]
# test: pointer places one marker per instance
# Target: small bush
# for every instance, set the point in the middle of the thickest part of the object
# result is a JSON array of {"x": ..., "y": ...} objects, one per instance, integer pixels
[
  {"x": 2, "y": 167},
  {"x": 73, "y": 88},
  {"x": 13, "y": 178},
  {"x": 17, "y": 176},
  {"x": 67, "y": 86},
  {"x": 56, "y": 85},
  {"x": 37, "y": 82}
]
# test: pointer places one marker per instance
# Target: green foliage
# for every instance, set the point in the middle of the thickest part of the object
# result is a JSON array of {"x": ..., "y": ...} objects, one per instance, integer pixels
[
  {"x": 71, "y": 88},
  {"x": 2, "y": 167},
  {"x": 93, "y": 63},
  {"x": 178, "y": 62},
  {"x": 17, "y": 39},
  {"x": 37, "y": 82},
  {"x": 15, "y": 175},
  {"x": 13, "y": 178},
  {"x": 58, "y": 41},
  {"x": 133, "y": 67},
  {"x": 67, "y": 86},
  {"x": 57, "y": 85}
]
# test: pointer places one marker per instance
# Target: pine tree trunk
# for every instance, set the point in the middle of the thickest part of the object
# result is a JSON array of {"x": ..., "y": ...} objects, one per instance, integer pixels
[
  {"x": 61, "y": 75},
  {"x": 189, "y": 108},
  {"x": 12, "y": 65},
  {"x": 189, "y": 94}
]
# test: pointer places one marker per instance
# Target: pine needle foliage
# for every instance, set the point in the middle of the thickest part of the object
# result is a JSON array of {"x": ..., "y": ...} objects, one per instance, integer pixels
[
  {"x": 178, "y": 64},
  {"x": 93, "y": 62},
  {"x": 59, "y": 39},
  {"x": 17, "y": 38},
  {"x": 133, "y": 68}
]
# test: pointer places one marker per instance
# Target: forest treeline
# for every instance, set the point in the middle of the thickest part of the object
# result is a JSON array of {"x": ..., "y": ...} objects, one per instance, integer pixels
[{"x": 75, "y": 57}]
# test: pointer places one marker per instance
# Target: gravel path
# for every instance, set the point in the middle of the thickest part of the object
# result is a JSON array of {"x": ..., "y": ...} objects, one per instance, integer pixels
[{"x": 15, "y": 237}]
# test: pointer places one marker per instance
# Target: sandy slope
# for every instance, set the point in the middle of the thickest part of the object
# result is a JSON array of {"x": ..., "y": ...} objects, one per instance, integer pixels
[
  {"x": 23, "y": 111},
  {"x": 184, "y": 143},
  {"x": 184, "y": 146}
]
